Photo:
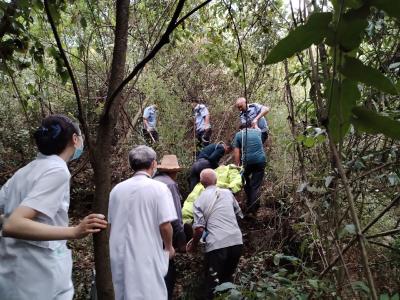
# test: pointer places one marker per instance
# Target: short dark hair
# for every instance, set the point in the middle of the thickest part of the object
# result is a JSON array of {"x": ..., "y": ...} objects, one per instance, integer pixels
[
  {"x": 54, "y": 134},
  {"x": 245, "y": 125}
]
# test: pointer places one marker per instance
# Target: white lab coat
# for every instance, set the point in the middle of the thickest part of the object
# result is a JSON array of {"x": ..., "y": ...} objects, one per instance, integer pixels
[
  {"x": 138, "y": 262},
  {"x": 37, "y": 270}
]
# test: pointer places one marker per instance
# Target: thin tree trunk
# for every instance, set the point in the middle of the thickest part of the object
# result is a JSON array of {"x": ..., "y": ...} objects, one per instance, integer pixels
[
  {"x": 354, "y": 216},
  {"x": 102, "y": 152}
]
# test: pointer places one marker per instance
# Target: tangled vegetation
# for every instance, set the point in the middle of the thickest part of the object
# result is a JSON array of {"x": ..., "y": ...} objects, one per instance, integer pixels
[{"x": 329, "y": 70}]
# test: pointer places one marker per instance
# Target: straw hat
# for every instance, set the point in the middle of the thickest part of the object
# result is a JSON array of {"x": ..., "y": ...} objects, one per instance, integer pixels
[{"x": 169, "y": 163}]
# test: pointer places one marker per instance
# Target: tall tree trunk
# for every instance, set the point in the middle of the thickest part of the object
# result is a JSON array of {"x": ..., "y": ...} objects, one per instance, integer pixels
[{"x": 102, "y": 151}]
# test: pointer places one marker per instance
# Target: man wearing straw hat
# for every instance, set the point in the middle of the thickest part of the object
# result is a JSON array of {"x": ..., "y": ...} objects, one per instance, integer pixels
[{"x": 167, "y": 171}]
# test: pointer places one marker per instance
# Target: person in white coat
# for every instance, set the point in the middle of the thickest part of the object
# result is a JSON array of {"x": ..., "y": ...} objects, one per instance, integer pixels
[
  {"x": 140, "y": 213},
  {"x": 35, "y": 261}
]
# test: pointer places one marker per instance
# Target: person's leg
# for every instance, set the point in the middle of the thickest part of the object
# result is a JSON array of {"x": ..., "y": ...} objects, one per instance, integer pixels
[
  {"x": 214, "y": 263},
  {"x": 197, "y": 167},
  {"x": 170, "y": 278},
  {"x": 232, "y": 260},
  {"x": 257, "y": 177},
  {"x": 155, "y": 135},
  {"x": 199, "y": 136},
  {"x": 194, "y": 176},
  {"x": 264, "y": 137},
  {"x": 206, "y": 137},
  {"x": 247, "y": 185}
]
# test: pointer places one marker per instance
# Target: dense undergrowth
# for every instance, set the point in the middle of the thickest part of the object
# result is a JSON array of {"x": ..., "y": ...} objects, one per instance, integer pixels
[{"x": 333, "y": 175}]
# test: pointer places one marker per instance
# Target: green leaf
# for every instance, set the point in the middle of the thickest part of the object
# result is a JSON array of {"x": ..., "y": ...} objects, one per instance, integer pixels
[
  {"x": 347, "y": 3},
  {"x": 371, "y": 122},
  {"x": 392, "y": 8},
  {"x": 356, "y": 70},
  {"x": 313, "y": 32},
  {"x": 351, "y": 28},
  {"x": 225, "y": 286},
  {"x": 83, "y": 22},
  {"x": 343, "y": 98},
  {"x": 360, "y": 286},
  {"x": 309, "y": 141},
  {"x": 277, "y": 258},
  {"x": 384, "y": 297}
]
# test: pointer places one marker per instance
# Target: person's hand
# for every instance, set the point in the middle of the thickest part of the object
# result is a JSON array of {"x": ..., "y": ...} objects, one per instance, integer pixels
[
  {"x": 92, "y": 223},
  {"x": 254, "y": 123},
  {"x": 190, "y": 248},
  {"x": 171, "y": 252}
]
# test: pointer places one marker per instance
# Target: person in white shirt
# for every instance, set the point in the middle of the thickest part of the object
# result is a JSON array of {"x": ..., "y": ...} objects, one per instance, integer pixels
[
  {"x": 35, "y": 260},
  {"x": 215, "y": 213},
  {"x": 202, "y": 123},
  {"x": 141, "y": 210}
]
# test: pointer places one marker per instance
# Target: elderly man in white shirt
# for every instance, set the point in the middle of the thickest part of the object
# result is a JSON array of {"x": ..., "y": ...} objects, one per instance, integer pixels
[
  {"x": 140, "y": 213},
  {"x": 215, "y": 221}
]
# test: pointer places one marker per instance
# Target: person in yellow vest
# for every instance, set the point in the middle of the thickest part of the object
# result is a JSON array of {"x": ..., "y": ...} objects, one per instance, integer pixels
[{"x": 228, "y": 177}]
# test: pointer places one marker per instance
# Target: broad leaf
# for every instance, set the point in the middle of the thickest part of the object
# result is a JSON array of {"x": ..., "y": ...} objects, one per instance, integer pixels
[
  {"x": 343, "y": 98},
  {"x": 347, "y": 3},
  {"x": 371, "y": 122},
  {"x": 313, "y": 32},
  {"x": 391, "y": 7},
  {"x": 225, "y": 286},
  {"x": 351, "y": 28},
  {"x": 360, "y": 286},
  {"x": 356, "y": 70}
]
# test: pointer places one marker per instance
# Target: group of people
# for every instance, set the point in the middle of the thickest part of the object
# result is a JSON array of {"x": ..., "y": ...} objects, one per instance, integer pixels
[
  {"x": 202, "y": 126},
  {"x": 145, "y": 218}
]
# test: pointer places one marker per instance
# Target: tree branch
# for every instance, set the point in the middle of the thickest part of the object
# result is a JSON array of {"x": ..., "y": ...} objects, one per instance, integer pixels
[
  {"x": 70, "y": 72},
  {"x": 370, "y": 224},
  {"x": 163, "y": 41}
]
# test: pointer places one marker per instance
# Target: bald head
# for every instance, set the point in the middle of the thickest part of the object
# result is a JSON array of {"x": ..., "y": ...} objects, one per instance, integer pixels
[
  {"x": 208, "y": 177},
  {"x": 241, "y": 104}
]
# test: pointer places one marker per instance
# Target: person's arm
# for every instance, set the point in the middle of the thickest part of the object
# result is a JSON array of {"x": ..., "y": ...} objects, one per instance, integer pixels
[
  {"x": 263, "y": 111},
  {"x": 192, "y": 246},
  {"x": 166, "y": 235},
  {"x": 207, "y": 121},
  {"x": 236, "y": 156},
  {"x": 216, "y": 155},
  {"x": 145, "y": 123},
  {"x": 21, "y": 225},
  {"x": 236, "y": 208},
  {"x": 206, "y": 115}
]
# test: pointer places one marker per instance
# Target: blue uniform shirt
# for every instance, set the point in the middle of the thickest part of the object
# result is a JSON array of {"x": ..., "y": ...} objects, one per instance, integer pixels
[
  {"x": 253, "y": 148},
  {"x": 200, "y": 113},
  {"x": 150, "y": 115},
  {"x": 252, "y": 112}
]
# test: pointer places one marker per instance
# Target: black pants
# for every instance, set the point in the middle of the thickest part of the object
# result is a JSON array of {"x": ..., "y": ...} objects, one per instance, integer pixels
[
  {"x": 149, "y": 136},
  {"x": 264, "y": 136},
  {"x": 170, "y": 278},
  {"x": 220, "y": 265},
  {"x": 253, "y": 176},
  {"x": 203, "y": 137},
  {"x": 198, "y": 166}
]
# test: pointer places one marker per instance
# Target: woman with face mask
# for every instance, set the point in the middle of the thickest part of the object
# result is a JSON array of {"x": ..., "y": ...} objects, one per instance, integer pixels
[{"x": 35, "y": 260}]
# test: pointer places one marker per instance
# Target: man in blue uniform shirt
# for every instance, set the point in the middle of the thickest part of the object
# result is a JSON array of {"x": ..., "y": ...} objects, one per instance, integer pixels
[
  {"x": 202, "y": 123},
  {"x": 254, "y": 114},
  {"x": 150, "y": 122}
]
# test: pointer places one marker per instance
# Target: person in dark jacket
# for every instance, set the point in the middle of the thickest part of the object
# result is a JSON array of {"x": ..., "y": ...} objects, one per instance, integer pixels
[
  {"x": 166, "y": 173},
  {"x": 209, "y": 157}
]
